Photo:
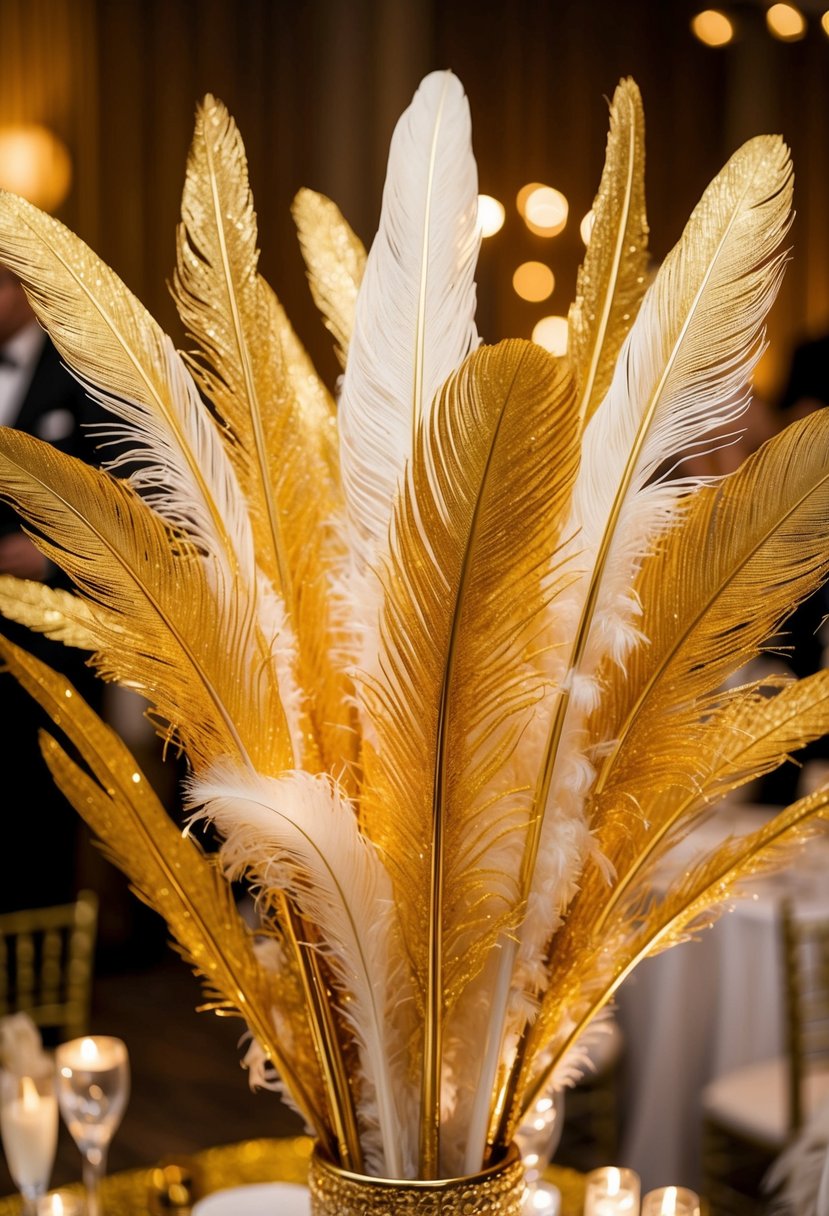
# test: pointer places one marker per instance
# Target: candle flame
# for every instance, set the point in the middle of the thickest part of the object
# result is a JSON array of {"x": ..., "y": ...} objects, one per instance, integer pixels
[
  {"x": 669, "y": 1202},
  {"x": 29, "y": 1094},
  {"x": 614, "y": 1180},
  {"x": 89, "y": 1051}
]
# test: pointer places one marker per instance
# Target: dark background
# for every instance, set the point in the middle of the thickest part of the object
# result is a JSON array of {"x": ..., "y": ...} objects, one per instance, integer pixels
[{"x": 316, "y": 86}]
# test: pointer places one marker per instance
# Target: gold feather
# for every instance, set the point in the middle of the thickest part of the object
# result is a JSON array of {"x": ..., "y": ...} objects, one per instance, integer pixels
[
  {"x": 681, "y": 370},
  {"x": 722, "y": 263},
  {"x": 169, "y": 872},
  {"x": 477, "y": 518},
  {"x": 242, "y": 367},
  {"x": 613, "y": 277},
  {"x": 174, "y": 642},
  {"x": 576, "y": 996},
  {"x": 335, "y": 259},
  {"x": 109, "y": 339},
  {"x": 718, "y": 587},
  {"x": 58, "y": 614},
  {"x": 752, "y": 734}
]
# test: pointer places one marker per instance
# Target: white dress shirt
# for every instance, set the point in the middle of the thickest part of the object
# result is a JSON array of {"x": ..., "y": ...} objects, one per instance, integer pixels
[{"x": 23, "y": 351}]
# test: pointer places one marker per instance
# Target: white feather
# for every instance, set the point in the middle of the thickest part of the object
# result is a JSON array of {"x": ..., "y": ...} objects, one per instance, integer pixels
[
  {"x": 414, "y": 321},
  {"x": 298, "y": 833}
]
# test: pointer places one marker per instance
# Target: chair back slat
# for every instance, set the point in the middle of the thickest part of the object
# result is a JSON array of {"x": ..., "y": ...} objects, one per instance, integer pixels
[
  {"x": 46, "y": 964},
  {"x": 806, "y": 966}
]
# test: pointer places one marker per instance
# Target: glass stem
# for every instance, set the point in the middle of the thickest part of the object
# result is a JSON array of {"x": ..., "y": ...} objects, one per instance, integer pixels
[{"x": 94, "y": 1166}]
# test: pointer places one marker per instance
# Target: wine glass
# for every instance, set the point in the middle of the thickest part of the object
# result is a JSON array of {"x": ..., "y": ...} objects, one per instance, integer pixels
[
  {"x": 93, "y": 1082},
  {"x": 29, "y": 1128}
]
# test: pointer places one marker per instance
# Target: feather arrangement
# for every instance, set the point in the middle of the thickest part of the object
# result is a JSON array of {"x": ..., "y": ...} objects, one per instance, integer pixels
[{"x": 451, "y": 662}]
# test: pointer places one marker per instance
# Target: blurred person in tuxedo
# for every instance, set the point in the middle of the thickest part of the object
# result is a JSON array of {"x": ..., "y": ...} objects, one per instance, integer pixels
[
  {"x": 803, "y": 646},
  {"x": 39, "y": 396}
]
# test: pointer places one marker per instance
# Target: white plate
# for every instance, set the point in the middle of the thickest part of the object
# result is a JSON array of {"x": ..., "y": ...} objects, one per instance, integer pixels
[{"x": 262, "y": 1199}]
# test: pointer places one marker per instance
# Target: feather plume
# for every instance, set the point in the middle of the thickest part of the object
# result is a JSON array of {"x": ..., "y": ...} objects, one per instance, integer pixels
[
  {"x": 414, "y": 322},
  {"x": 58, "y": 614},
  {"x": 613, "y": 276},
  {"x": 713, "y": 593},
  {"x": 172, "y": 875},
  {"x": 399, "y": 643},
  {"x": 683, "y": 370},
  {"x": 635, "y": 933},
  {"x": 336, "y": 261},
  {"x": 720, "y": 585},
  {"x": 173, "y": 641},
  {"x": 235, "y": 317},
  {"x": 118, "y": 351},
  {"x": 274, "y": 832},
  {"x": 751, "y": 734},
  {"x": 167, "y": 437},
  {"x": 456, "y": 685},
  {"x": 684, "y": 364}
]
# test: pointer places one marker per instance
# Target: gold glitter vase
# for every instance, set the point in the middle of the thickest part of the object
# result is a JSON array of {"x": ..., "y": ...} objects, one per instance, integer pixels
[{"x": 496, "y": 1191}]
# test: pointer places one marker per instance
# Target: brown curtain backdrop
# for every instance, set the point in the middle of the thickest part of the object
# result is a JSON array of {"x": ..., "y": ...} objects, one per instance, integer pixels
[{"x": 316, "y": 86}]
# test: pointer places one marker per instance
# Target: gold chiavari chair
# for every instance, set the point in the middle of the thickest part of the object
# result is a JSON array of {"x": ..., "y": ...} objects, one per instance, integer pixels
[
  {"x": 46, "y": 964},
  {"x": 751, "y": 1114}
]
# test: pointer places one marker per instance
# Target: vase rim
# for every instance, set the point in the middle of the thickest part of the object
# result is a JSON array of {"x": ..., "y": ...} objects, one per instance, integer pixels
[{"x": 509, "y": 1158}]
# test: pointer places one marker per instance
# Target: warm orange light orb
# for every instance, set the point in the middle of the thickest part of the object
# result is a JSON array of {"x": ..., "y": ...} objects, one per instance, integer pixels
[
  {"x": 712, "y": 27},
  {"x": 586, "y": 226},
  {"x": 551, "y": 333},
  {"x": 522, "y": 196},
  {"x": 491, "y": 215},
  {"x": 824, "y": 23},
  {"x": 786, "y": 22},
  {"x": 35, "y": 164},
  {"x": 546, "y": 211},
  {"x": 533, "y": 281}
]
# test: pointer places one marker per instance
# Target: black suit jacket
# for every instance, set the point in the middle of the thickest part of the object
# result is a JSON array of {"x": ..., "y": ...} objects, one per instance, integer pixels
[
  {"x": 54, "y": 395},
  {"x": 38, "y": 819}
]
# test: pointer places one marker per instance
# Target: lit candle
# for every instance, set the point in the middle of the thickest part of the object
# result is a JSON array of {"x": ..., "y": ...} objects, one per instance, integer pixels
[
  {"x": 29, "y": 1124},
  {"x": 60, "y": 1203},
  {"x": 671, "y": 1201},
  {"x": 611, "y": 1192},
  {"x": 96, "y": 1053}
]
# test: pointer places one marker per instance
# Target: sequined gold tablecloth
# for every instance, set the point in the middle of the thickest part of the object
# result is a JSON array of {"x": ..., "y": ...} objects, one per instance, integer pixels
[{"x": 131, "y": 1193}]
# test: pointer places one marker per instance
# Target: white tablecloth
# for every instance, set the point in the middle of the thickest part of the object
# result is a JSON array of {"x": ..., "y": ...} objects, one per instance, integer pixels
[{"x": 706, "y": 1007}]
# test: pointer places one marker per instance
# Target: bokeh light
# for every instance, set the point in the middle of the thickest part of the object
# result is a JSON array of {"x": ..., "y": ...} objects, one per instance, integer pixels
[
  {"x": 35, "y": 164},
  {"x": 551, "y": 333},
  {"x": 491, "y": 215},
  {"x": 546, "y": 211},
  {"x": 533, "y": 281},
  {"x": 786, "y": 22},
  {"x": 712, "y": 27}
]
